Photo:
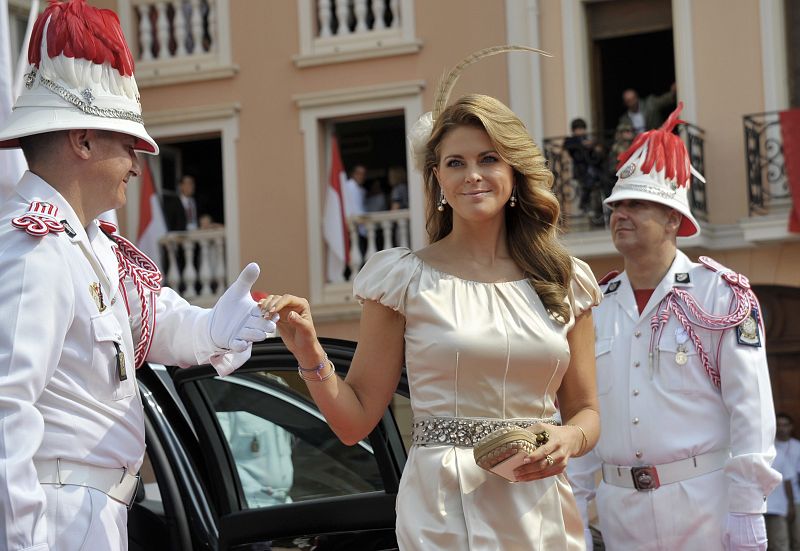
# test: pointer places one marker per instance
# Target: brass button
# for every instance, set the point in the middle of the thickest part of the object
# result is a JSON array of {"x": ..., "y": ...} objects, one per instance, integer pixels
[
  {"x": 637, "y": 363},
  {"x": 635, "y": 420},
  {"x": 637, "y": 334},
  {"x": 638, "y": 454},
  {"x": 636, "y": 392}
]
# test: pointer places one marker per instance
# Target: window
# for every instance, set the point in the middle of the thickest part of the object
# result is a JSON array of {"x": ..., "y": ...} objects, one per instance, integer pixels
[
  {"x": 348, "y": 110},
  {"x": 282, "y": 447}
]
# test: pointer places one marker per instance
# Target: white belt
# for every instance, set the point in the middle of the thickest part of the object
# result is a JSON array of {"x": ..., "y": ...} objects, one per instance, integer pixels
[
  {"x": 650, "y": 477},
  {"x": 118, "y": 484}
]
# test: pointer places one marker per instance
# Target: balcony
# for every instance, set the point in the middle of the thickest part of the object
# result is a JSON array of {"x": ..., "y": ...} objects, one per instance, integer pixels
[
  {"x": 767, "y": 184},
  {"x": 768, "y": 192},
  {"x": 334, "y": 31},
  {"x": 372, "y": 232},
  {"x": 583, "y": 218},
  {"x": 196, "y": 264},
  {"x": 177, "y": 40}
]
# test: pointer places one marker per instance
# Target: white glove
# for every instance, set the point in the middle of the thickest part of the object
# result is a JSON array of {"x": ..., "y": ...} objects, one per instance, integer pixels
[
  {"x": 745, "y": 532},
  {"x": 236, "y": 320}
]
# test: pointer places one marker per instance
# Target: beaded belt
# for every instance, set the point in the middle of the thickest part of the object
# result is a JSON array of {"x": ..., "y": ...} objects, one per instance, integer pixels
[{"x": 463, "y": 431}]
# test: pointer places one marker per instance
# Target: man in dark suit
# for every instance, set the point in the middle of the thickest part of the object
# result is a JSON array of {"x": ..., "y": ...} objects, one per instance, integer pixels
[{"x": 180, "y": 210}]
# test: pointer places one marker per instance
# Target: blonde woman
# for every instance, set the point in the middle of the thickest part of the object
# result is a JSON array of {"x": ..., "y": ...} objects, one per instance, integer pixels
[{"x": 492, "y": 321}]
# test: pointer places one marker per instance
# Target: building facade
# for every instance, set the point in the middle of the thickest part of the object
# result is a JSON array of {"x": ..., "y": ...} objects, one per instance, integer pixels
[{"x": 246, "y": 96}]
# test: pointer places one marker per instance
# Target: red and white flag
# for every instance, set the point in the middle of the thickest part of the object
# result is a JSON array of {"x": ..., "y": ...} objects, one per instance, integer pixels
[
  {"x": 334, "y": 226},
  {"x": 790, "y": 133},
  {"x": 152, "y": 225},
  {"x": 12, "y": 162}
]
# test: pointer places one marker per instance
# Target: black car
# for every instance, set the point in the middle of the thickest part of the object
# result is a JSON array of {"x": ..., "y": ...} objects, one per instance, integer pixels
[{"x": 247, "y": 462}]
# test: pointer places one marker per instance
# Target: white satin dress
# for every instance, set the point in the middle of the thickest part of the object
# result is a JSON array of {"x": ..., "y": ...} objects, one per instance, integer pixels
[{"x": 477, "y": 350}]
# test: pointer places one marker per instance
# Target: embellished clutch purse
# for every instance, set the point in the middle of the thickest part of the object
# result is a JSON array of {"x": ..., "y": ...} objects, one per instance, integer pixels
[{"x": 503, "y": 450}]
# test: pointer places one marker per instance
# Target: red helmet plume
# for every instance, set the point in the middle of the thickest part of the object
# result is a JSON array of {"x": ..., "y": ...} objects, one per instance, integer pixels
[
  {"x": 665, "y": 151},
  {"x": 80, "y": 31}
]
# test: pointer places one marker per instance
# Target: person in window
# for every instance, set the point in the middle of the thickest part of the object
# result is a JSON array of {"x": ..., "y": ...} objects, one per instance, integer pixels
[
  {"x": 492, "y": 322},
  {"x": 355, "y": 193},
  {"x": 81, "y": 307},
  {"x": 587, "y": 160},
  {"x": 398, "y": 196},
  {"x": 646, "y": 113},
  {"x": 375, "y": 200},
  {"x": 181, "y": 209}
]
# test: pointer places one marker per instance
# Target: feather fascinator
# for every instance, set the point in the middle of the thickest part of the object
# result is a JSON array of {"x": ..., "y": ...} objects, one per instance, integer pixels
[{"x": 421, "y": 130}]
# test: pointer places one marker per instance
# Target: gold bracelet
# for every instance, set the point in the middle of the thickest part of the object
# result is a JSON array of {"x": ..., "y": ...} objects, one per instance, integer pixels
[{"x": 583, "y": 434}]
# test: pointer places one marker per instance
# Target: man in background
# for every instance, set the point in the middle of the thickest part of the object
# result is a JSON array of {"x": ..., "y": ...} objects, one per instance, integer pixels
[
  {"x": 180, "y": 210},
  {"x": 646, "y": 113},
  {"x": 781, "y": 515}
]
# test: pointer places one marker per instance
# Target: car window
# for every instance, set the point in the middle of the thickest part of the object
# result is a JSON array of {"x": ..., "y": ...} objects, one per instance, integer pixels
[{"x": 283, "y": 449}]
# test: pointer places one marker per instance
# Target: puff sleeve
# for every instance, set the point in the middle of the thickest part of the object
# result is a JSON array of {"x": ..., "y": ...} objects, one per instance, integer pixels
[
  {"x": 584, "y": 292},
  {"x": 386, "y": 276}
]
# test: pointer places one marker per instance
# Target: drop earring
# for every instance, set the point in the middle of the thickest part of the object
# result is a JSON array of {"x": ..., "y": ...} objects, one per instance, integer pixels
[
  {"x": 512, "y": 202},
  {"x": 442, "y": 202}
]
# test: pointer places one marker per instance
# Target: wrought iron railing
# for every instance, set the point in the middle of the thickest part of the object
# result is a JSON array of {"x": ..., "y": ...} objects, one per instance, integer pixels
[
  {"x": 767, "y": 185},
  {"x": 581, "y": 208},
  {"x": 694, "y": 137},
  {"x": 581, "y": 205}
]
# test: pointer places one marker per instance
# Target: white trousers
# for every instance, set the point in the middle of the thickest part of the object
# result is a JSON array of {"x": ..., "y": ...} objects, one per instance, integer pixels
[
  {"x": 684, "y": 516},
  {"x": 84, "y": 519}
]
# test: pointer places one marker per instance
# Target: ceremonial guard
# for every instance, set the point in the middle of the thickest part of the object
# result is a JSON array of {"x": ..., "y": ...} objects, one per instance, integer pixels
[
  {"x": 81, "y": 307},
  {"x": 687, "y": 420}
]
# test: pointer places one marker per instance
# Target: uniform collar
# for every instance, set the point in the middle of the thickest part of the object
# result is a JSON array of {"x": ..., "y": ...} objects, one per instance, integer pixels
[
  {"x": 32, "y": 188},
  {"x": 678, "y": 275},
  {"x": 620, "y": 289},
  {"x": 90, "y": 239}
]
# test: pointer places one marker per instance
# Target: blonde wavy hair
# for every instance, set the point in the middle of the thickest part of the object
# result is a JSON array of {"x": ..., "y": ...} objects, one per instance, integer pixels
[{"x": 531, "y": 226}]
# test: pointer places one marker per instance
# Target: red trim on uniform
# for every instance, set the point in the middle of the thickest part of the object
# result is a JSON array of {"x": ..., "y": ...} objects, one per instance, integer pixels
[
  {"x": 608, "y": 277},
  {"x": 665, "y": 151},
  {"x": 680, "y": 303},
  {"x": 106, "y": 226},
  {"x": 41, "y": 219}
]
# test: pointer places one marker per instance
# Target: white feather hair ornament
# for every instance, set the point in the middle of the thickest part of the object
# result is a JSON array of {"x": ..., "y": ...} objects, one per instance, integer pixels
[{"x": 420, "y": 132}]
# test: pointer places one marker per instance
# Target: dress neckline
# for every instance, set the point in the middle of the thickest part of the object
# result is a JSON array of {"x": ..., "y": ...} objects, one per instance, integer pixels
[{"x": 453, "y": 276}]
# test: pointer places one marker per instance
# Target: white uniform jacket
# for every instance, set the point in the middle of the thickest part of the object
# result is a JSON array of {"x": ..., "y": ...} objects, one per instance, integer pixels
[
  {"x": 62, "y": 324},
  {"x": 667, "y": 410}
]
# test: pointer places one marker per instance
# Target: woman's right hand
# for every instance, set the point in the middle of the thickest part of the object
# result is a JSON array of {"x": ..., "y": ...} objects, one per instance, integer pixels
[{"x": 295, "y": 326}]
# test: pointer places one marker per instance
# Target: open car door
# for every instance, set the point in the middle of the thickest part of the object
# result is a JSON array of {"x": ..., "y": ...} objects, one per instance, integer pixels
[{"x": 271, "y": 472}]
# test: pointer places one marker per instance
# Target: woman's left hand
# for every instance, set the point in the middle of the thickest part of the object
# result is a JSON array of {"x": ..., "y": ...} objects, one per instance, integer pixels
[{"x": 549, "y": 459}]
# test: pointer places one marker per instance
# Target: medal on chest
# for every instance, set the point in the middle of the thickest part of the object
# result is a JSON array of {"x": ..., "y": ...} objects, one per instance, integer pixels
[
  {"x": 681, "y": 353},
  {"x": 96, "y": 292}
]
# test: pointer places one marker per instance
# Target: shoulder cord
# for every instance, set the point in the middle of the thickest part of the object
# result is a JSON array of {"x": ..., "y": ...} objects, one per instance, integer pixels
[
  {"x": 146, "y": 277},
  {"x": 690, "y": 314}
]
